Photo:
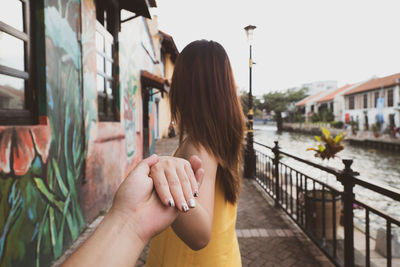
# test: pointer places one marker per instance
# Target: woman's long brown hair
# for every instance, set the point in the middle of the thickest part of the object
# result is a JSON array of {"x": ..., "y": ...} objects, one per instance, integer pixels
[{"x": 205, "y": 104}]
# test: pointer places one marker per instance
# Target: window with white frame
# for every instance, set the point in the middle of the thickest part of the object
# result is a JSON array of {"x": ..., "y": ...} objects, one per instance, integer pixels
[
  {"x": 376, "y": 96},
  {"x": 351, "y": 102},
  {"x": 390, "y": 98},
  {"x": 365, "y": 100},
  {"x": 17, "y": 95},
  {"x": 107, "y": 28}
]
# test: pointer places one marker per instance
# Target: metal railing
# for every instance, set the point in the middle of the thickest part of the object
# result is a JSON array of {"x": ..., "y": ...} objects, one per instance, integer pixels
[{"x": 319, "y": 208}]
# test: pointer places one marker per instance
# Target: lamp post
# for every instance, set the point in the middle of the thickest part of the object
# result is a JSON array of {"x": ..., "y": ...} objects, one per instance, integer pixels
[{"x": 249, "y": 156}]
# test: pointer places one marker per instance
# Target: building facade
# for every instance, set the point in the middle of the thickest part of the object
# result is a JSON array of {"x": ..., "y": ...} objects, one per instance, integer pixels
[
  {"x": 377, "y": 100},
  {"x": 78, "y": 101},
  {"x": 334, "y": 101},
  {"x": 308, "y": 106},
  {"x": 316, "y": 90}
]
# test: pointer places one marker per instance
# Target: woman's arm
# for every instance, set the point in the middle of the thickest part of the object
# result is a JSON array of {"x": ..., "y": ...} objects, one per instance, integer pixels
[
  {"x": 194, "y": 227},
  {"x": 174, "y": 180}
]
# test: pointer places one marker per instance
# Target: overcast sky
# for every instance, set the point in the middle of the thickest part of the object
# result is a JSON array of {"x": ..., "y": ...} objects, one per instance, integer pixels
[{"x": 296, "y": 41}]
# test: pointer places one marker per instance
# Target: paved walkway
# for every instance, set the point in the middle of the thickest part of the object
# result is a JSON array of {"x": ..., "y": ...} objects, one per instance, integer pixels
[{"x": 267, "y": 237}]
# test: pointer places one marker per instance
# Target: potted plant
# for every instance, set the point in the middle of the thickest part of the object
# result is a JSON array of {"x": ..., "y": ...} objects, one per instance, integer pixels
[
  {"x": 376, "y": 129},
  {"x": 316, "y": 201},
  {"x": 354, "y": 127}
]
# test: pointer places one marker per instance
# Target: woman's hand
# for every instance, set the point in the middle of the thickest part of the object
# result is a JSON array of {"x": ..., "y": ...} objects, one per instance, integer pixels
[{"x": 177, "y": 181}]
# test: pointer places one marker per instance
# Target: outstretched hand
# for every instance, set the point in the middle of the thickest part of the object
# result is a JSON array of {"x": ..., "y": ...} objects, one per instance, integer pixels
[{"x": 177, "y": 181}]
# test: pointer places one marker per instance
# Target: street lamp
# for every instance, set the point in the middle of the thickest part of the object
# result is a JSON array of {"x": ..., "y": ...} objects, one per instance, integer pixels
[{"x": 249, "y": 156}]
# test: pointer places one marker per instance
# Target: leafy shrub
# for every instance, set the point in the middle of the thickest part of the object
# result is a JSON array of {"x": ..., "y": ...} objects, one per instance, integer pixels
[
  {"x": 315, "y": 117},
  {"x": 337, "y": 124}
]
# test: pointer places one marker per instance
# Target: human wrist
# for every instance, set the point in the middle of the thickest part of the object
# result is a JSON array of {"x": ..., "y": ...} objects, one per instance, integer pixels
[{"x": 128, "y": 225}]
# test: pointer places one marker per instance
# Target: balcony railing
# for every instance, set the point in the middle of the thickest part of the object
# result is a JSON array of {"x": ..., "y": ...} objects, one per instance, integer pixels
[{"x": 325, "y": 211}]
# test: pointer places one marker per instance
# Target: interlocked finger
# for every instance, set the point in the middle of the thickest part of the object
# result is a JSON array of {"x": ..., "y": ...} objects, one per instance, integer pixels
[
  {"x": 175, "y": 188},
  {"x": 192, "y": 179},
  {"x": 161, "y": 184},
  {"x": 186, "y": 187}
]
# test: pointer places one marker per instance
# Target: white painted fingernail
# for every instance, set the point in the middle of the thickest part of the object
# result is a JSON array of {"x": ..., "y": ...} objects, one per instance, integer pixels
[
  {"x": 185, "y": 207},
  {"x": 192, "y": 203},
  {"x": 196, "y": 193},
  {"x": 171, "y": 203}
]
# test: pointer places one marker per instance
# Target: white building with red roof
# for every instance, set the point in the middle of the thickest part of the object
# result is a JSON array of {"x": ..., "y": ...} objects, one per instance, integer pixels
[
  {"x": 308, "y": 105},
  {"x": 335, "y": 101},
  {"x": 375, "y": 100}
]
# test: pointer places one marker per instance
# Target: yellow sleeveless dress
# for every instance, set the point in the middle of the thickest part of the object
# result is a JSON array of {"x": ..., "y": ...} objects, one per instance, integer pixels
[{"x": 168, "y": 250}]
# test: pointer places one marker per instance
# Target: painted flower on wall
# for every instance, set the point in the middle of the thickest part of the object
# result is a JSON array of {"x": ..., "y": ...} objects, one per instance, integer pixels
[{"x": 20, "y": 145}]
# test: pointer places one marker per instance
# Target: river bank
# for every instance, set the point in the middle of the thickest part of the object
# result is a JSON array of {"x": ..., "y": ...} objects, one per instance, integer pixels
[{"x": 361, "y": 138}]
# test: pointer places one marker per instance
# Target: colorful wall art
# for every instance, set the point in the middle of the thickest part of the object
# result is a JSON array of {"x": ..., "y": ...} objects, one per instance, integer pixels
[{"x": 57, "y": 176}]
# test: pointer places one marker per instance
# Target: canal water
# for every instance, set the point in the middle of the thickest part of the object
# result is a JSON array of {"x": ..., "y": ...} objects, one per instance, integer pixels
[{"x": 380, "y": 167}]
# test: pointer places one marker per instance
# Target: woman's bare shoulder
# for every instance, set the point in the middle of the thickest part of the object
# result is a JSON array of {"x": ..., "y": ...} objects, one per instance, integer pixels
[{"x": 188, "y": 149}]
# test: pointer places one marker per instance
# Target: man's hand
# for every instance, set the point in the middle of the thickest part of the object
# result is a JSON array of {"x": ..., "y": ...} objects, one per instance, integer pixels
[{"x": 136, "y": 202}]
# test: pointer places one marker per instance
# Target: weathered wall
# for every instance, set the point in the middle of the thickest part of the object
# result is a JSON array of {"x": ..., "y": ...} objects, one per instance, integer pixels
[
  {"x": 41, "y": 166},
  {"x": 57, "y": 176},
  {"x": 165, "y": 117},
  {"x": 134, "y": 41}
]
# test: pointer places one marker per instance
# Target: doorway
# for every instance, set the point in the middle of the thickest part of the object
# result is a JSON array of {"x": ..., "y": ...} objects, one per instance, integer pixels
[{"x": 151, "y": 84}]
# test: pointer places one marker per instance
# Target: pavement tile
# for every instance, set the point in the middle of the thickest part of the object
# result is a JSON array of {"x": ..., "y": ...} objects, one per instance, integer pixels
[
  {"x": 288, "y": 232},
  {"x": 272, "y": 232},
  {"x": 254, "y": 233},
  {"x": 246, "y": 233},
  {"x": 263, "y": 233},
  {"x": 280, "y": 233},
  {"x": 239, "y": 233}
]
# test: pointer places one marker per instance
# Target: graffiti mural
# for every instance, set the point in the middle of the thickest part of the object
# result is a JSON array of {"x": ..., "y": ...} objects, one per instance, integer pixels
[
  {"x": 41, "y": 165},
  {"x": 63, "y": 64},
  {"x": 130, "y": 120},
  {"x": 57, "y": 176},
  {"x": 135, "y": 58}
]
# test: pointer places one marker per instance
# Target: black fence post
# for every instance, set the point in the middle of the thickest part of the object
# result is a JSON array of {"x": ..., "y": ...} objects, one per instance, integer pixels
[
  {"x": 346, "y": 178},
  {"x": 275, "y": 150}
]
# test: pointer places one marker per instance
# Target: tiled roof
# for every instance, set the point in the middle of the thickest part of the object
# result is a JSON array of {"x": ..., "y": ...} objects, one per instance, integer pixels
[
  {"x": 330, "y": 96},
  {"x": 376, "y": 83},
  {"x": 308, "y": 98}
]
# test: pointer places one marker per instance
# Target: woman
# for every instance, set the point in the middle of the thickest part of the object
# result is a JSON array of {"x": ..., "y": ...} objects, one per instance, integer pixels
[{"x": 205, "y": 105}]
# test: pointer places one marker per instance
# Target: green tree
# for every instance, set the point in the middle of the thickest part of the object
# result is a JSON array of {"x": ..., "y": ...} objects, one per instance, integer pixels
[
  {"x": 244, "y": 99},
  {"x": 279, "y": 102}
]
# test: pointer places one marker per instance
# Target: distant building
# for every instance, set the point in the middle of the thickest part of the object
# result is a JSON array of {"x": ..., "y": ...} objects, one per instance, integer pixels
[
  {"x": 166, "y": 53},
  {"x": 377, "y": 100},
  {"x": 169, "y": 53},
  {"x": 320, "y": 86},
  {"x": 308, "y": 106},
  {"x": 334, "y": 101}
]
